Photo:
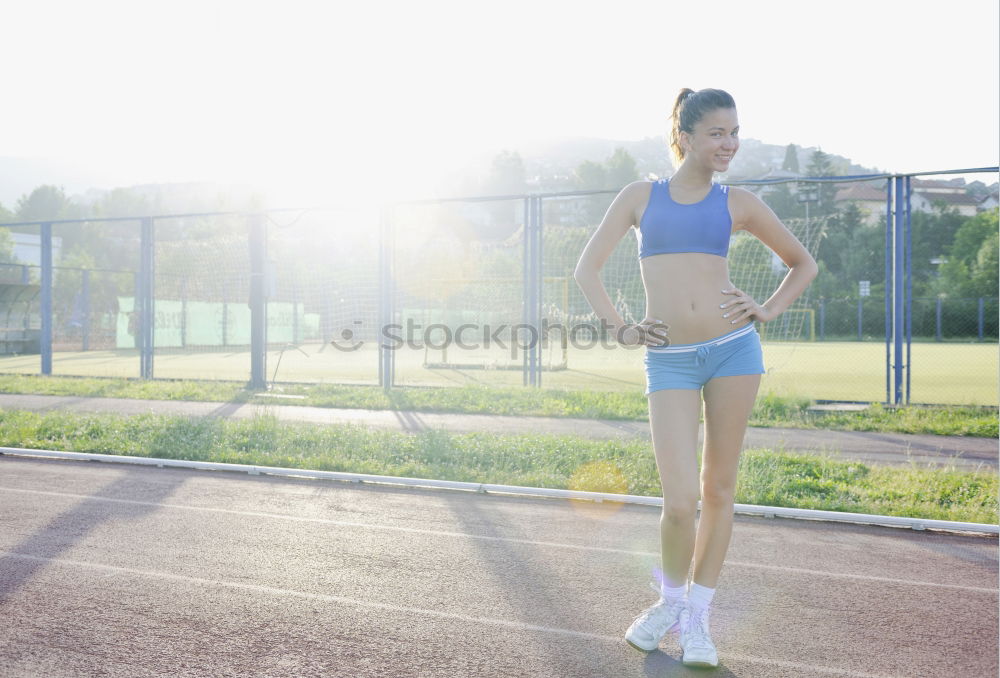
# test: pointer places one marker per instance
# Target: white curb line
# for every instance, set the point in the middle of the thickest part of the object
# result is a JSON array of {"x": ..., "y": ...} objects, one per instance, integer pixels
[{"x": 747, "y": 509}]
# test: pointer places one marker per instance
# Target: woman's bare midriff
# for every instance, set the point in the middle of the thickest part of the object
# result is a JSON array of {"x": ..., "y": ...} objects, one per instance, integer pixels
[{"x": 684, "y": 291}]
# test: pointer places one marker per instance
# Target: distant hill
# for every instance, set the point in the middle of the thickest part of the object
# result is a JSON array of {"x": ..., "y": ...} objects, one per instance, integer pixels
[
  {"x": 547, "y": 163},
  {"x": 548, "y": 160},
  {"x": 20, "y": 176}
]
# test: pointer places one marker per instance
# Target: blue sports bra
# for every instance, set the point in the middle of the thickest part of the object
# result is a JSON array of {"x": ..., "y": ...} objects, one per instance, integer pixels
[{"x": 667, "y": 226}]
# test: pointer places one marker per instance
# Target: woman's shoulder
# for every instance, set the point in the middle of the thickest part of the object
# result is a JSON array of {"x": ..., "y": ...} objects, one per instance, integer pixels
[
  {"x": 635, "y": 193},
  {"x": 743, "y": 205},
  {"x": 641, "y": 184},
  {"x": 639, "y": 190},
  {"x": 742, "y": 194},
  {"x": 741, "y": 198}
]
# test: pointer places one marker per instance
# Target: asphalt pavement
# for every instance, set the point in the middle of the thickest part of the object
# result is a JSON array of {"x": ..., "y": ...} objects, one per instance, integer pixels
[{"x": 129, "y": 571}]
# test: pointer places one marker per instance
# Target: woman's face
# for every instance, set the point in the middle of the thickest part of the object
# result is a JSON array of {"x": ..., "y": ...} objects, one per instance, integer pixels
[{"x": 715, "y": 139}]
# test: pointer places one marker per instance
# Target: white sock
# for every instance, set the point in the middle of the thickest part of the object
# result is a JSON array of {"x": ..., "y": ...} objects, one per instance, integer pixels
[
  {"x": 671, "y": 593},
  {"x": 700, "y": 596}
]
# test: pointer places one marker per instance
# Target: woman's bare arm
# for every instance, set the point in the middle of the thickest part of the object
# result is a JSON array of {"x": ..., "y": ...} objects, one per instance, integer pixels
[
  {"x": 765, "y": 225},
  {"x": 618, "y": 219}
]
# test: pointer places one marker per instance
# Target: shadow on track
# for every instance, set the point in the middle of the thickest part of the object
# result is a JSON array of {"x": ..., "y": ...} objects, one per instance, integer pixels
[{"x": 77, "y": 522}]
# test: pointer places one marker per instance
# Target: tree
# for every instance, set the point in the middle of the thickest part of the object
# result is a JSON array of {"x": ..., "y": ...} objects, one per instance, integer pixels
[
  {"x": 616, "y": 172},
  {"x": 506, "y": 177},
  {"x": 985, "y": 281},
  {"x": 821, "y": 165},
  {"x": 865, "y": 256},
  {"x": 6, "y": 249},
  {"x": 971, "y": 266},
  {"x": 590, "y": 176},
  {"x": 6, "y": 243},
  {"x": 932, "y": 234},
  {"x": 621, "y": 169},
  {"x": 784, "y": 203},
  {"x": 971, "y": 235},
  {"x": 46, "y": 202},
  {"x": 507, "y": 174},
  {"x": 791, "y": 163},
  {"x": 124, "y": 202},
  {"x": 849, "y": 251}
]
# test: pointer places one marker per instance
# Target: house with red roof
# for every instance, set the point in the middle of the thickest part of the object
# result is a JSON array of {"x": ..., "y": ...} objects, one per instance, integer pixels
[
  {"x": 869, "y": 197},
  {"x": 927, "y": 195},
  {"x": 948, "y": 194}
]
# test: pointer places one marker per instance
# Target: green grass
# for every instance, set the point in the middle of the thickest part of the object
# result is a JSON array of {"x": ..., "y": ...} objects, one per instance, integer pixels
[
  {"x": 776, "y": 411},
  {"x": 766, "y": 477},
  {"x": 99, "y": 387},
  {"x": 817, "y": 482},
  {"x": 770, "y": 409},
  {"x": 952, "y": 373}
]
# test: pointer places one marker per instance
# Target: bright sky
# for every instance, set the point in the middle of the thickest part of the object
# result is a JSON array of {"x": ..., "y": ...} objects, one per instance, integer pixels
[{"x": 313, "y": 98}]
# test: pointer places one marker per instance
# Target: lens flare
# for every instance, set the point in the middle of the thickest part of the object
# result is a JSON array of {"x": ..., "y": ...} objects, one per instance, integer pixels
[{"x": 598, "y": 476}]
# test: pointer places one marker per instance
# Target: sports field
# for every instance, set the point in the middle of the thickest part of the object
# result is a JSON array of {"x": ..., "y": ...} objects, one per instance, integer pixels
[{"x": 943, "y": 373}]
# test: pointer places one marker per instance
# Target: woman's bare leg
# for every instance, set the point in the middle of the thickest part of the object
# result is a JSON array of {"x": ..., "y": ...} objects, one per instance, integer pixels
[
  {"x": 728, "y": 404},
  {"x": 673, "y": 419}
]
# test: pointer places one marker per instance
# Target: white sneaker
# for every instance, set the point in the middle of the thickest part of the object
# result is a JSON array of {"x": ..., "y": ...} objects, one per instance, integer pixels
[
  {"x": 654, "y": 623},
  {"x": 695, "y": 639}
]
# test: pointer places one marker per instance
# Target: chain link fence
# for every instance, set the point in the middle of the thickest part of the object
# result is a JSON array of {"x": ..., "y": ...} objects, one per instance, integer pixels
[{"x": 481, "y": 291}]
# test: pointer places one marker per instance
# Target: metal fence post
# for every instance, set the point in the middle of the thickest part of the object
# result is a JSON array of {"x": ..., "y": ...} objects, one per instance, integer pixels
[
  {"x": 146, "y": 301},
  {"x": 937, "y": 319},
  {"x": 533, "y": 290},
  {"x": 46, "y": 262},
  {"x": 386, "y": 353},
  {"x": 888, "y": 289},
  {"x": 85, "y": 295},
  {"x": 540, "y": 281},
  {"x": 822, "y": 318},
  {"x": 184, "y": 312},
  {"x": 136, "y": 308},
  {"x": 529, "y": 212},
  {"x": 859, "y": 318},
  {"x": 225, "y": 319},
  {"x": 909, "y": 290},
  {"x": 257, "y": 235},
  {"x": 295, "y": 314},
  {"x": 980, "y": 319},
  {"x": 897, "y": 281}
]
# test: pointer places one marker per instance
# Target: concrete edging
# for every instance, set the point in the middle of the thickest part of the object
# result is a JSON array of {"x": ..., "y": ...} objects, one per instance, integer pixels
[{"x": 486, "y": 488}]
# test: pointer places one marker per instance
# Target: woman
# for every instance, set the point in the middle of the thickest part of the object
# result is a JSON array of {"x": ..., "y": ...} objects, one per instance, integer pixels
[{"x": 698, "y": 332}]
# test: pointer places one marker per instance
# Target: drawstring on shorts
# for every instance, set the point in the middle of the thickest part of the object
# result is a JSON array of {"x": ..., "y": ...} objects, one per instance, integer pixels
[
  {"x": 703, "y": 349},
  {"x": 702, "y": 355}
]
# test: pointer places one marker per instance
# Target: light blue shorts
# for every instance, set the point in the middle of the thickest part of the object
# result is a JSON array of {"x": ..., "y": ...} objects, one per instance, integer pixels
[{"x": 693, "y": 365}]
